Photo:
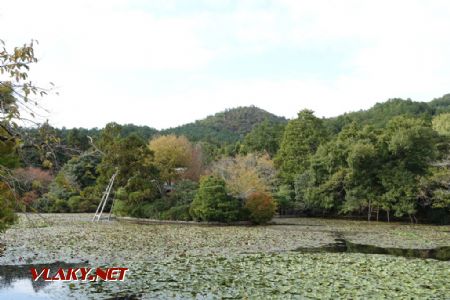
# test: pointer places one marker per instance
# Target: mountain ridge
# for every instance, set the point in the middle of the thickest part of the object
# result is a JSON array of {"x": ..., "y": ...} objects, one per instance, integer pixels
[{"x": 227, "y": 126}]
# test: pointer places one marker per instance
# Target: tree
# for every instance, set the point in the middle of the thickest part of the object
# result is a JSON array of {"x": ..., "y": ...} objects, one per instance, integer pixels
[
  {"x": 212, "y": 202},
  {"x": 441, "y": 124},
  {"x": 342, "y": 176},
  {"x": 71, "y": 183},
  {"x": 261, "y": 207},
  {"x": 264, "y": 138},
  {"x": 15, "y": 93},
  {"x": 301, "y": 139},
  {"x": 31, "y": 183},
  {"x": 284, "y": 196},
  {"x": 77, "y": 139},
  {"x": 137, "y": 173},
  {"x": 15, "y": 102},
  {"x": 408, "y": 146},
  {"x": 173, "y": 155},
  {"x": 7, "y": 206},
  {"x": 435, "y": 194},
  {"x": 246, "y": 174},
  {"x": 196, "y": 165}
]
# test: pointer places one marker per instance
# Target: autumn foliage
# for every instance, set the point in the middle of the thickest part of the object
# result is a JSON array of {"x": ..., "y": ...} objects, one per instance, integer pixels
[{"x": 261, "y": 207}]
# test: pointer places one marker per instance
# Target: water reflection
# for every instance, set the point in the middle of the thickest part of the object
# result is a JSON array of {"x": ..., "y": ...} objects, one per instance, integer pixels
[
  {"x": 342, "y": 245},
  {"x": 22, "y": 289},
  {"x": 16, "y": 282}
]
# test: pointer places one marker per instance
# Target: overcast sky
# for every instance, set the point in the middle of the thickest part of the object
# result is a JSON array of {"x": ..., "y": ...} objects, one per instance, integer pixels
[{"x": 163, "y": 63}]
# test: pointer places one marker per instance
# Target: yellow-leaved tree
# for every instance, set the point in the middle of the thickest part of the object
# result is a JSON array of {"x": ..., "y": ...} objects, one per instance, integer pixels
[
  {"x": 246, "y": 174},
  {"x": 172, "y": 155}
]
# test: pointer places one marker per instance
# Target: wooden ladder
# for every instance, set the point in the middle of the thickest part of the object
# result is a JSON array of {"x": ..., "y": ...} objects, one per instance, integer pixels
[{"x": 105, "y": 197}]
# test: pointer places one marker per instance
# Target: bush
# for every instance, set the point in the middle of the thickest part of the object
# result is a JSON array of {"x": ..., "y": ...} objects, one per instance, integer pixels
[
  {"x": 33, "y": 179},
  {"x": 184, "y": 192},
  {"x": 87, "y": 201},
  {"x": 44, "y": 204},
  {"x": 74, "y": 203},
  {"x": 60, "y": 206},
  {"x": 143, "y": 210},
  {"x": 90, "y": 199},
  {"x": 151, "y": 210},
  {"x": 179, "y": 213},
  {"x": 261, "y": 207},
  {"x": 212, "y": 203},
  {"x": 7, "y": 215},
  {"x": 120, "y": 208}
]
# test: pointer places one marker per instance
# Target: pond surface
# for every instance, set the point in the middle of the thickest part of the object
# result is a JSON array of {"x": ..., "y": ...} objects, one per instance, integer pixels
[
  {"x": 342, "y": 245},
  {"x": 16, "y": 282},
  {"x": 193, "y": 262}
]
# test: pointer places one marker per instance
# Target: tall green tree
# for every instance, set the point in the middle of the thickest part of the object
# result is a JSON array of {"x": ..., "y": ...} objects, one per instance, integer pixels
[
  {"x": 137, "y": 176},
  {"x": 441, "y": 124},
  {"x": 264, "y": 137},
  {"x": 212, "y": 202},
  {"x": 408, "y": 147},
  {"x": 301, "y": 139}
]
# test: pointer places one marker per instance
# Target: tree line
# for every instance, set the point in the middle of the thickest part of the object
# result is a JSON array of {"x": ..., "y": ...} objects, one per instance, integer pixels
[
  {"x": 398, "y": 170},
  {"x": 391, "y": 161}
]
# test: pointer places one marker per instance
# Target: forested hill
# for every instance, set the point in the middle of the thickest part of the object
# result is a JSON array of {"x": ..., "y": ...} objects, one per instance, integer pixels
[
  {"x": 234, "y": 124},
  {"x": 225, "y": 127},
  {"x": 381, "y": 113}
]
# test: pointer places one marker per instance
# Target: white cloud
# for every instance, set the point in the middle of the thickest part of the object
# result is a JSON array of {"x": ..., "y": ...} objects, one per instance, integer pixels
[{"x": 100, "y": 54}]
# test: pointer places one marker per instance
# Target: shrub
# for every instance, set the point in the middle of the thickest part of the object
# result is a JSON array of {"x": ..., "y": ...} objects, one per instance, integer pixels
[
  {"x": 34, "y": 179},
  {"x": 261, "y": 207},
  {"x": 152, "y": 210},
  {"x": 60, "y": 206},
  {"x": 180, "y": 213},
  {"x": 44, "y": 204},
  {"x": 7, "y": 215},
  {"x": 120, "y": 208},
  {"x": 212, "y": 203},
  {"x": 143, "y": 210},
  {"x": 184, "y": 192},
  {"x": 29, "y": 198},
  {"x": 161, "y": 205},
  {"x": 74, "y": 203}
]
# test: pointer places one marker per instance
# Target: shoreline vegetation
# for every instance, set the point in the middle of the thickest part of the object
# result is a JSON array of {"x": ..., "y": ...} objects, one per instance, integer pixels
[
  {"x": 390, "y": 162},
  {"x": 245, "y": 164}
]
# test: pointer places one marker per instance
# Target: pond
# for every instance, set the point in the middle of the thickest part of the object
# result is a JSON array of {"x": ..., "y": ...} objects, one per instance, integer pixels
[
  {"x": 197, "y": 262},
  {"x": 16, "y": 282},
  {"x": 342, "y": 245}
]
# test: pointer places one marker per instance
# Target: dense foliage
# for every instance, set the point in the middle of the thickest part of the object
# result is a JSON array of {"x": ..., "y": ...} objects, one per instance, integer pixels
[
  {"x": 19, "y": 105},
  {"x": 261, "y": 207},
  {"x": 226, "y": 127},
  {"x": 391, "y": 161},
  {"x": 212, "y": 202},
  {"x": 246, "y": 174},
  {"x": 264, "y": 138},
  {"x": 172, "y": 155},
  {"x": 301, "y": 139}
]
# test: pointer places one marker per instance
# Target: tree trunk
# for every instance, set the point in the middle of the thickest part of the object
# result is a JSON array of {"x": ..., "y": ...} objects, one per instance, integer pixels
[
  {"x": 369, "y": 212},
  {"x": 378, "y": 212},
  {"x": 387, "y": 212}
]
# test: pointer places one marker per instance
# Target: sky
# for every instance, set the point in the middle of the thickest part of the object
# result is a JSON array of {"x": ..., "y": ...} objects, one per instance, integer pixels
[{"x": 163, "y": 63}]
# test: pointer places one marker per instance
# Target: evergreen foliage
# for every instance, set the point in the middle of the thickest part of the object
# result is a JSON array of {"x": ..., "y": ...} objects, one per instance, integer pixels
[{"x": 212, "y": 202}]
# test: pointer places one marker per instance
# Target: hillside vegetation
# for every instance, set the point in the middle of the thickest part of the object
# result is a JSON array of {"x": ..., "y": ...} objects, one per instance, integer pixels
[
  {"x": 387, "y": 162},
  {"x": 225, "y": 127}
]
